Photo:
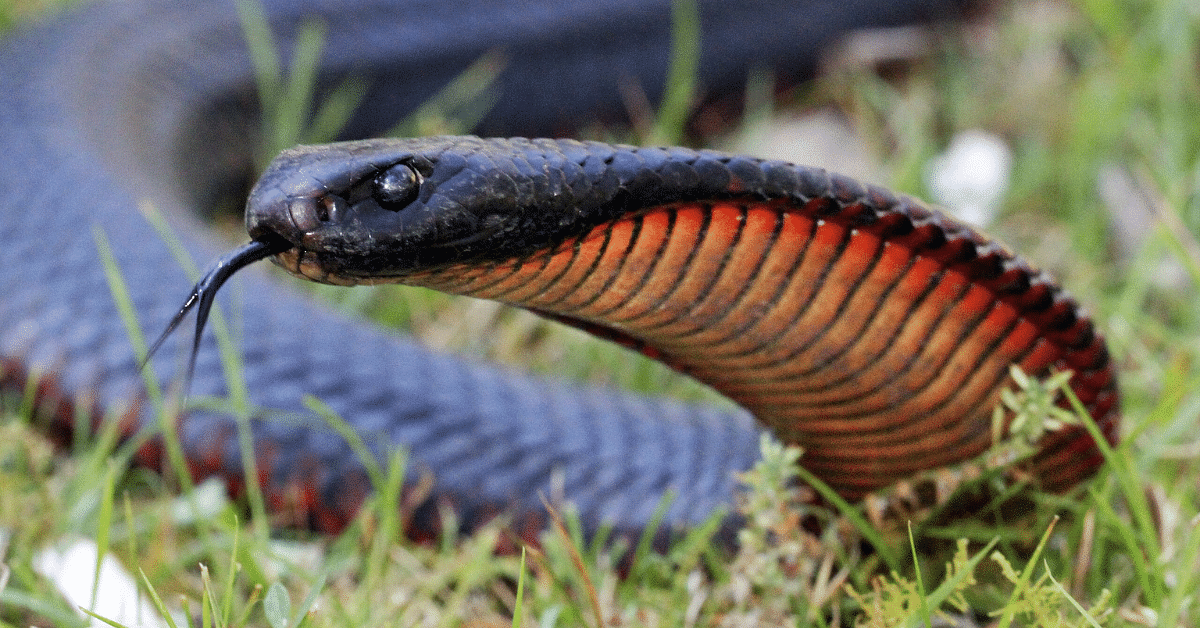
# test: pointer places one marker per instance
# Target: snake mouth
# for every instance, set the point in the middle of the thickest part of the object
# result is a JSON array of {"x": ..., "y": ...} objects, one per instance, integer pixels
[{"x": 264, "y": 244}]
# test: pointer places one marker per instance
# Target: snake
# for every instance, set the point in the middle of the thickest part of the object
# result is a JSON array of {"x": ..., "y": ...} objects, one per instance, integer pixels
[{"x": 874, "y": 332}]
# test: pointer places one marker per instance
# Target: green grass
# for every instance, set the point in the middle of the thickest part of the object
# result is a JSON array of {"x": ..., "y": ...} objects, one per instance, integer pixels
[{"x": 1079, "y": 91}]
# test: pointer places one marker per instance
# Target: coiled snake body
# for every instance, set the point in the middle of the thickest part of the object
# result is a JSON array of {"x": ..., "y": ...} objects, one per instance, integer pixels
[{"x": 870, "y": 330}]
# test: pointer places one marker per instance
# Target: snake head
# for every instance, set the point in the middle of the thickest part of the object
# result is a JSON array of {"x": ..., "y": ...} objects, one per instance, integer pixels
[
  {"x": 314, "y": 208},
  {"x": 384, "y": 210},
  {"x": 363, "y": 209}
]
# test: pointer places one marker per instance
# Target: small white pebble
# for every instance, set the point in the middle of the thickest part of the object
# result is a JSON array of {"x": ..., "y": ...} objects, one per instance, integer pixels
[
  {"x": 71, "y": 564},
  {"x": 971, "y": 177}
]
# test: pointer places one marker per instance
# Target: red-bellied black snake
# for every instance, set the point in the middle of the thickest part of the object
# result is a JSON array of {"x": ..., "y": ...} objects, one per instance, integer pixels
[{"x": 858, "y": 324}]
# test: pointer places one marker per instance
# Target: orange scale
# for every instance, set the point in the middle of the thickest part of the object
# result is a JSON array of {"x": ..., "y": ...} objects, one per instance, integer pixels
[
  {"x": 705, "y": 271},
  {"x": 710, "y": 240},
  {"x": 591, "y": 291},
  {"x": 762, "y": 261},
  {"x": 532, "y": 277},
  {"x": 775, "y": 313},
  {"x": 1044, "y": 354},
  {"x": 567, "y": 272},
  {"x": 674, "y": 260},
  {"x": 640, "y": 262}
]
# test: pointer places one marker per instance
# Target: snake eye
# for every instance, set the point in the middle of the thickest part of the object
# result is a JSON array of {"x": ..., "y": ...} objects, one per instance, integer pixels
[{"x": 396, "y": 187}]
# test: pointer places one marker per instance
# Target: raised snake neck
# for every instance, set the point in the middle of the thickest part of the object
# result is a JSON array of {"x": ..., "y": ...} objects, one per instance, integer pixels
[{"x": 126, "y": 104}]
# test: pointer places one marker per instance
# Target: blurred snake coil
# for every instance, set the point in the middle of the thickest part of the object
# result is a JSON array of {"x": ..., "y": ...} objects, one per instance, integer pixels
[{"x": 874, "y": 332}]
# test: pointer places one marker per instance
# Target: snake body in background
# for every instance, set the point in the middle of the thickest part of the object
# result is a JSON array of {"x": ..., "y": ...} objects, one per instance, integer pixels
[{"x": 131, "y": 103}]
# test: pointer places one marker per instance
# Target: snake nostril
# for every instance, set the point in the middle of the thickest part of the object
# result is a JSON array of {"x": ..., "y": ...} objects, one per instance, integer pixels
[{"x": 331, "y": 208}]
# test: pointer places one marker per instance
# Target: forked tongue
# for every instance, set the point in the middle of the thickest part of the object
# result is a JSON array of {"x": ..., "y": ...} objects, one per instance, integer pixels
[{"x": 204, "y": 294}]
